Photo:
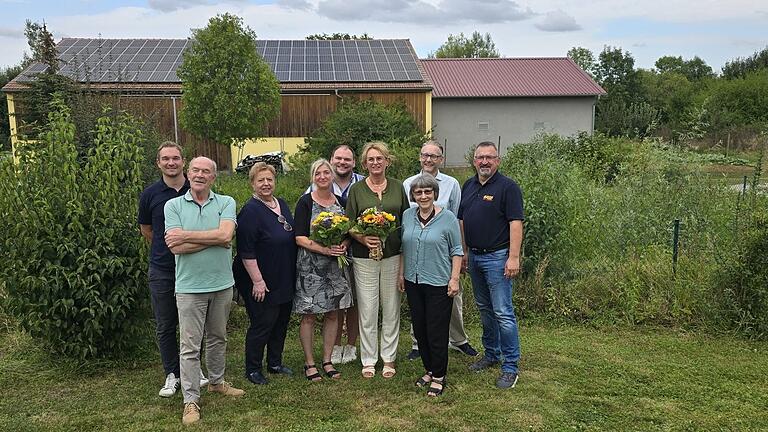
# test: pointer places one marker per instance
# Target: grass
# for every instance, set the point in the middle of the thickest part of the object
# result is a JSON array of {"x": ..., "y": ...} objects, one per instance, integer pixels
[{"x": 572, "y": 378}]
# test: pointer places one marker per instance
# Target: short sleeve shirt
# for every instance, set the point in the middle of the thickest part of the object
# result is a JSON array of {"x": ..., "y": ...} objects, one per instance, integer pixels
[
  {"x": 486, "y": 210},
  {"x": 151, "y": 204},
  {"x": 210, "y": 269}
]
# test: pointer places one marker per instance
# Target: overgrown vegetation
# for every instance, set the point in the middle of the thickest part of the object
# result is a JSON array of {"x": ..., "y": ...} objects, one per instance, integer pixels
[
  {"x": 73, "y": 268},
  {"x": 598, "y": 245}
]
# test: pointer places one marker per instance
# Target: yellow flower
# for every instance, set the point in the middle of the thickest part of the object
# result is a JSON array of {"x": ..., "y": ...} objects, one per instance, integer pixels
[{"x": 389, "y": 217}]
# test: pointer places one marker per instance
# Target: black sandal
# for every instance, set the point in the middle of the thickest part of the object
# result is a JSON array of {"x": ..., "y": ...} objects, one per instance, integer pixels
[
  {"x": 421, "y": 382},
  {"x": 315, "y": 376},
  {"x": 333, "y": 373},
  {"x": 434, "y": 392}
]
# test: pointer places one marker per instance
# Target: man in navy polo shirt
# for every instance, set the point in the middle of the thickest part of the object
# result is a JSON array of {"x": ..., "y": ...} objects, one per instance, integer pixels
[
  {"x": 161, "y": 261},
  {"x": 491, "y": 219}
]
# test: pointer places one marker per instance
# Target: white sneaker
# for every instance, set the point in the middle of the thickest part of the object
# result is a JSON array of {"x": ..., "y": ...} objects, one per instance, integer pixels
[
  {"x": 350, "y": 354},
  {"x": 203, "y": 380},
  {"x": 336, "y": 354},
  {"x": 171, "y": 385}
]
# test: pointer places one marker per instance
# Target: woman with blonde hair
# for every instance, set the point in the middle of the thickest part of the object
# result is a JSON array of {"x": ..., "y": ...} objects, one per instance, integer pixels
[
  {"x": 322, "y": 286},
  {"x": 376, "y": 279}
]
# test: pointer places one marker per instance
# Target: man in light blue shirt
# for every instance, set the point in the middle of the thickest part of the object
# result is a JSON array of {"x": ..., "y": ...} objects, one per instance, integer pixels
[
  {"x": 430, "y": 157},
  {"x": 198, "y": 230}
]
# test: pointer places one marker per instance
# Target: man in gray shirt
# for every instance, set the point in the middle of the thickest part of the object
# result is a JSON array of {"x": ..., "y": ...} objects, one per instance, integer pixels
[{"x": 431, "y": 157}]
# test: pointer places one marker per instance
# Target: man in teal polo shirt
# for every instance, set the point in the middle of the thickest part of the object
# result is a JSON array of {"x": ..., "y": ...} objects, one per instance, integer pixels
[{"x": 198, "y": 230}]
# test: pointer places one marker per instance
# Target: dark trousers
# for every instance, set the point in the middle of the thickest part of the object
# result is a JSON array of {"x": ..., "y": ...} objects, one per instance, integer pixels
[
  {"x": 162, "y": 286},
  {"x": 269, "y": 325},
  {"x": 431, "y": 317}
]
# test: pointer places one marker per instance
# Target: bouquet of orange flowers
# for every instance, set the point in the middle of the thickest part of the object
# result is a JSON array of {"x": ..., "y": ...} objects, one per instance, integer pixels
[
  {"x": 329, "y": 229},
  {"x": 375, "y": 222}
]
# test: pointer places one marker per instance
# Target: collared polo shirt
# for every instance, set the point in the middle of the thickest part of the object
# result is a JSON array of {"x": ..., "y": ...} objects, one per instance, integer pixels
[
  {"x": 210, "y": 269},
  {"x": 487, "y": 210},
  {"x": 427, "y": 251},
  {"x": 449, "y": 196},
  {"x": 151, "y": 204},
  {"x": 343, "y": 193}
]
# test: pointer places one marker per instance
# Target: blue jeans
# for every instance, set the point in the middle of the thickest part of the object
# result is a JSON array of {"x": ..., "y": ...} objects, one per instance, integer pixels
[
  {"x": 493, "y": 295},
  {"x": 162, "y": 285}
]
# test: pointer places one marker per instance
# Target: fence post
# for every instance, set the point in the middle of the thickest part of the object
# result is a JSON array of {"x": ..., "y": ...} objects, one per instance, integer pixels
[
  {"x": 500, "y": 152},
  {"x": 675, "y": 243}
]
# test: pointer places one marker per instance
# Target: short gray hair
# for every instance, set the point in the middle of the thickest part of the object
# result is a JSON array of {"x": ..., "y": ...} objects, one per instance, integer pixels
[
  {"x": 212, "y": 162},
  {"x": 424, "y": 181}
]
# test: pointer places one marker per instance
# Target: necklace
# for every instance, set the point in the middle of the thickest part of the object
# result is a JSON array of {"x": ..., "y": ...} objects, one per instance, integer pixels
[
  {"x": 273, "y": 202},
  {"x": 376, "y": 187},
  {"x": 426, "y": 220}
]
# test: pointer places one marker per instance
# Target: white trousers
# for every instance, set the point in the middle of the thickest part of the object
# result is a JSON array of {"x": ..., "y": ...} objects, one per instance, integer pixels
[{"x": 376, "y": 284}]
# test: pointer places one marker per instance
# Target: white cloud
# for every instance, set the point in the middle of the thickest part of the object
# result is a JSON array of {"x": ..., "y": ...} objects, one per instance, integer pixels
[
  {"x": 445, "y": 12},
  {"x": 558, "y": 21},
  {"x": 13, "y": 33},
  {"x": 172, "y": 5},
  {"x": 295, "y": 4}
]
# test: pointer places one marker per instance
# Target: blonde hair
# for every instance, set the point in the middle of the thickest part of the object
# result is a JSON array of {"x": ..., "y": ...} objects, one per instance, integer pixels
[
  {"x": 259, "y": 167},
  {"x": 316, "y": 165},
  {"x": 382, "y": 148}
]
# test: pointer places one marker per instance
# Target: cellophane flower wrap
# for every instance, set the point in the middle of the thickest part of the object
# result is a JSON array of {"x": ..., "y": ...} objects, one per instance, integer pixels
[
  {"x": 329, "y": 229},
  {"x": 375, "y": 222}
]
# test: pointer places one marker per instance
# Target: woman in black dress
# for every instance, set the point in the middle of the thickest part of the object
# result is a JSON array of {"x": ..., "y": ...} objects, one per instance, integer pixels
[
  {"x": 265, "y": 273},
  {"x": 322, "y": 287}
]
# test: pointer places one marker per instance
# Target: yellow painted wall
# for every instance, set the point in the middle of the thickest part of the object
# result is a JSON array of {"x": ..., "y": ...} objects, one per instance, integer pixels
[{"x": 290, "y": 145}]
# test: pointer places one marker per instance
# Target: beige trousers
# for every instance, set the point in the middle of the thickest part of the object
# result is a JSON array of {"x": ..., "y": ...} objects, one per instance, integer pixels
[{"x": 376, "y": 285}]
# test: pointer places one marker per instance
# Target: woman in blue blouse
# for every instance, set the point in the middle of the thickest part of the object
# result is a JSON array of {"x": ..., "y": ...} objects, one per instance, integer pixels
[
  {"x": 265, "y": 273},
  {"x": 429, "y": 274}
]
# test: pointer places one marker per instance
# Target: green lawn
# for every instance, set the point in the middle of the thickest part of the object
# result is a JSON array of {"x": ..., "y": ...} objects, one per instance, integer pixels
[{"x": 572, "y": 378}]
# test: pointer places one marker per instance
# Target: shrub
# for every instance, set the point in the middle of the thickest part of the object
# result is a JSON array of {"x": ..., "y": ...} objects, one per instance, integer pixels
[
  {"x": 356, "y": 122},
  {"x": 73, "y": 264}
]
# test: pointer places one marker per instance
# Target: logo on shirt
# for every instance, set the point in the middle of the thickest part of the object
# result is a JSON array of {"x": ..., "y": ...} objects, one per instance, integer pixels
[{"x": 487, "y": 197}]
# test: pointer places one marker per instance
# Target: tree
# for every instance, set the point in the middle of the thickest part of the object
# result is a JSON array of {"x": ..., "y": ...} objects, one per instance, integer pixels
[
  {"x": 584, "y": 58},
  {"x": 615, "y": 71},
  {"x": 694, "y": 69},
  {"x": 740, "y": 67},
  {"x": 229, "y": 92},
  {"x": 338, "y": 36},
  {"x": 477, "y": 46}
]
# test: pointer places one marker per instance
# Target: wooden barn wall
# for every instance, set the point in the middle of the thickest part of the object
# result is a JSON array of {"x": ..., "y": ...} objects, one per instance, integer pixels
[{"x": 300, "y": 115}]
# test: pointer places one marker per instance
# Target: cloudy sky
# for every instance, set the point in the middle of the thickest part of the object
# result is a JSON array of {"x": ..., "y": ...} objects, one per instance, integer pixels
[{"x": 716, "y": 31}]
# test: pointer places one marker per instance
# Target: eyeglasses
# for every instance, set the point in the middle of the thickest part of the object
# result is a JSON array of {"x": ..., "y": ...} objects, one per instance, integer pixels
[
  {"x": 286, "y": 225},
  {"x": 428, "y": 156},
  {"x": 486, "y": 158},
  {"x": 420, "y": 192}
]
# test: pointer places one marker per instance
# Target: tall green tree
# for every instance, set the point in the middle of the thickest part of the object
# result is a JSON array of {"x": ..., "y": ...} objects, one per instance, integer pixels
[
  {"x": 740, "y": 67},
  {"x": 694, "y": 69},
  {"x": 615, "y": 71},
  {"x": 229, "y": 92},
  {"x": 584, "y": 58},
  {"x": 476, "y": 46}
]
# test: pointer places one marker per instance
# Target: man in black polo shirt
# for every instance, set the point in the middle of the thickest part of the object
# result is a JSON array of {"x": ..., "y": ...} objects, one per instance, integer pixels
[
  {"x": 491, "y": 219},
  {"x": 161, "y": 261}
]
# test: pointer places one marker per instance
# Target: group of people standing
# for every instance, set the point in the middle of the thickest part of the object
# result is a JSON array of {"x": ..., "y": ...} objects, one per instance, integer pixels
[{"x": 444, "y": 230}]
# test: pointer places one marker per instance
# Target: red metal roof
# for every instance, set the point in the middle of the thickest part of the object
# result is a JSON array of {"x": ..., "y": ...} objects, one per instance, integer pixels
[{"x": 509, "y": 77}]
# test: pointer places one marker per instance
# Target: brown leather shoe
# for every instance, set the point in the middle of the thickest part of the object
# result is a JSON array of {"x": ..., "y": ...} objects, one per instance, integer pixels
[
  {"x": 226, "y": 389},
  {"x": 191, "y": 414}
]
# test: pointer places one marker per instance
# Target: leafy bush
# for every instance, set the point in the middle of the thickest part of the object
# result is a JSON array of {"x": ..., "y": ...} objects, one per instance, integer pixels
[
  {"x": 597, "y": 250},
  {"x": 356, "y": 122},
  {"x": 73, "y": 264}
]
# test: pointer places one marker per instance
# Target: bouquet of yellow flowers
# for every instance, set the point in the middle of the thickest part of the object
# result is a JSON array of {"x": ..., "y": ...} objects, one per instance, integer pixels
[
  {"x": 329, "y": 229},
  {"x": 375, "y": 222}
]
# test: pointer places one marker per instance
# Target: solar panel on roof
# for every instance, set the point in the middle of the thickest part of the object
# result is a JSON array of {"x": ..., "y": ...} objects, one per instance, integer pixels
[{"x": 156, "y": 60}]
